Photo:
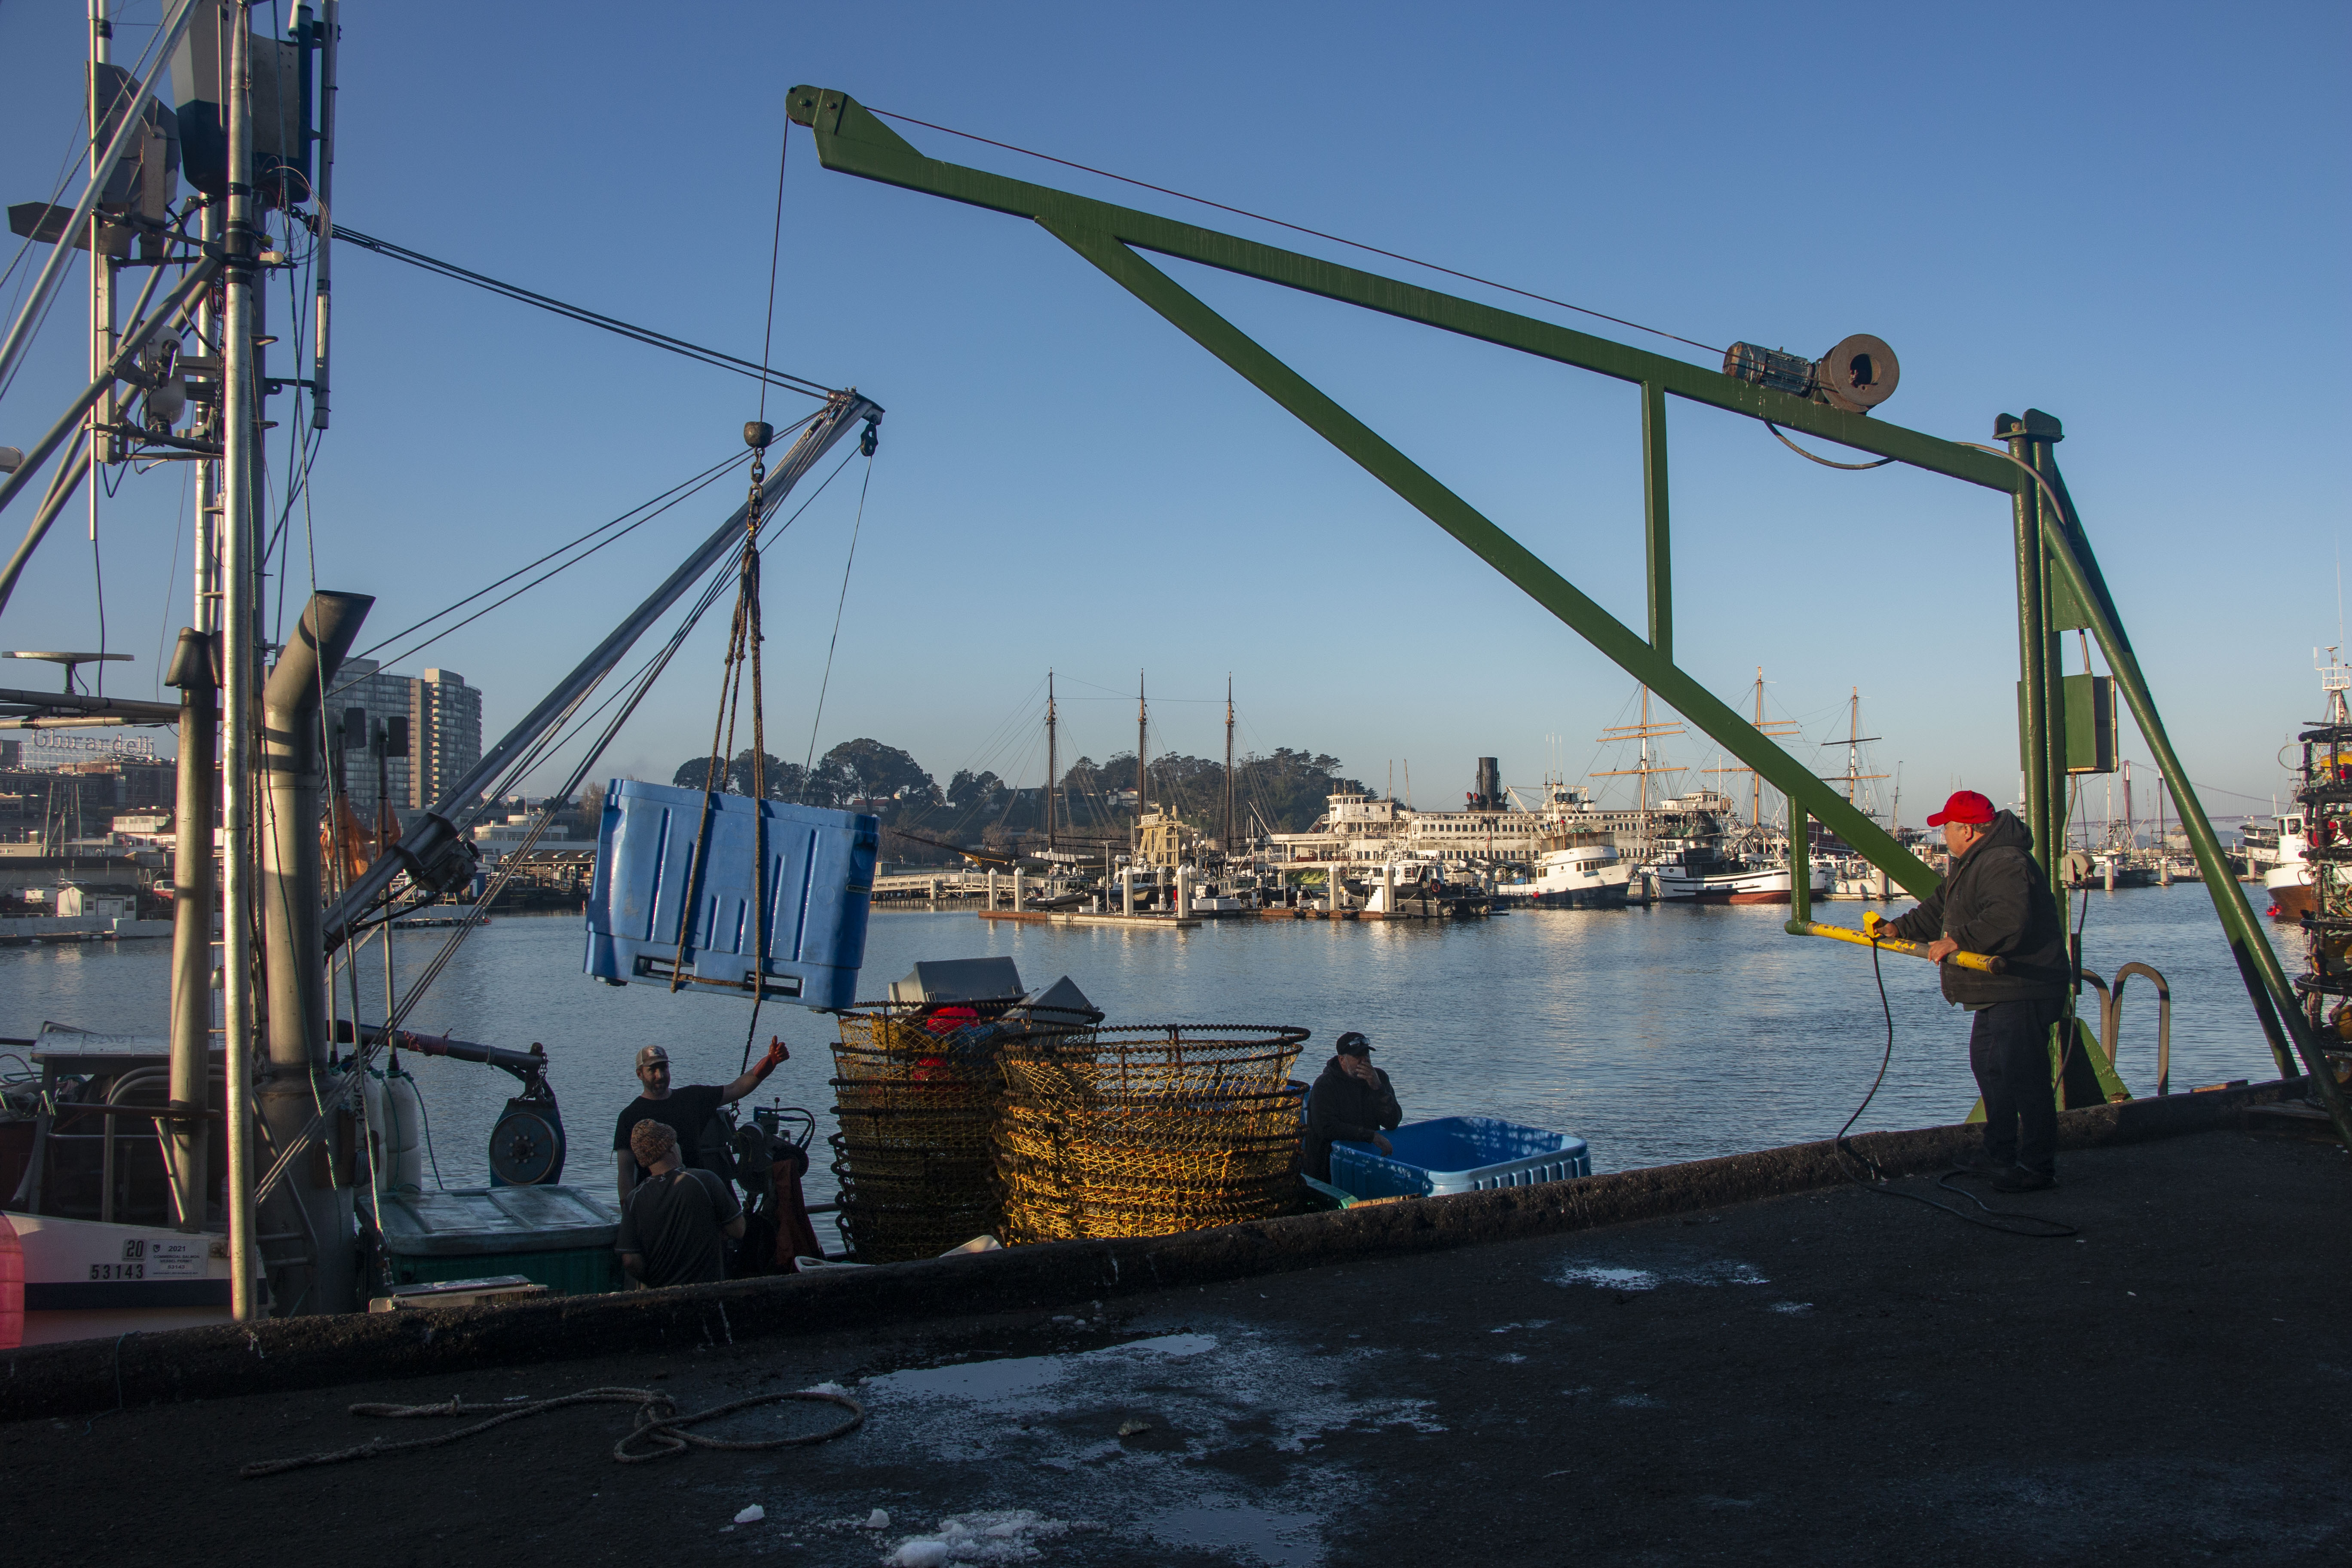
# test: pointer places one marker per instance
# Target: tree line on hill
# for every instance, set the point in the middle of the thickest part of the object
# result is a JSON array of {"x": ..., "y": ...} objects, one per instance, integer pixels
[{"x": 1283, "y": 792}]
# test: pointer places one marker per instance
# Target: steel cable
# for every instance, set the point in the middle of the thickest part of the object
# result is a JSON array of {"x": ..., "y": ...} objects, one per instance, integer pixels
[
  {"x": 635, "y": 690},
  {"x": 645, "y": 335},
  {"x": 1301, "y": 228}
]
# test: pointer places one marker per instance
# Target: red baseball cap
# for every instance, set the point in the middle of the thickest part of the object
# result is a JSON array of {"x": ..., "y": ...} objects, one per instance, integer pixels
[{"x": 1965, "y": 807}]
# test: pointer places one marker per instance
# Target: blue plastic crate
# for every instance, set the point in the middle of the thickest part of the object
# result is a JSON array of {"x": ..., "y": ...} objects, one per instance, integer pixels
[
  {"x": 817, "y": 878},
  {"x": 1458, "y": 1154}
]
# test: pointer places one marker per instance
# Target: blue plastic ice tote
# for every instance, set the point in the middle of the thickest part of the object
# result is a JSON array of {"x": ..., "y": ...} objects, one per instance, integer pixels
[
  {"x": 1458, "y": 1154},
  {"x": 816, "y": 879}
]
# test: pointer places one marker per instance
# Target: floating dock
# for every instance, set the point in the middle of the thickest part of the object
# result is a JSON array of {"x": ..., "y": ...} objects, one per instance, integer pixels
[{"x": 1070, "y": 918}]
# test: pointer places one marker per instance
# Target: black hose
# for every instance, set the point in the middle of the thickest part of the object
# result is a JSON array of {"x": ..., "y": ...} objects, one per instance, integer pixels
[{"x": 1873, "y": 1179}]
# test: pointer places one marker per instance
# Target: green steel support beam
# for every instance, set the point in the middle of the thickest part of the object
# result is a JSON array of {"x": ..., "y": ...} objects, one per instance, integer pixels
[
  {"x": 851, "y": 141},
  {"x": 1653, "y": 513},
  {"x": 2054, "y": 754},
  {"x": 2276, "y": 1003},
  {"x": 1800, "y": 867},
  {"x": 2032, "y": 690},
  {"x": 1496, "y": 548}
]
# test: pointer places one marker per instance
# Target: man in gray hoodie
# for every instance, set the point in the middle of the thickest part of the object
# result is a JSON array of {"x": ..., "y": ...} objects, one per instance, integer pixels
[{"x": 1997, "y": 901}]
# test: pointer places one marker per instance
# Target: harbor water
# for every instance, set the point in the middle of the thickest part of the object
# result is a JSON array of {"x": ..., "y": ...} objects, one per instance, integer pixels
[{"x": 1659, "y": 1034}]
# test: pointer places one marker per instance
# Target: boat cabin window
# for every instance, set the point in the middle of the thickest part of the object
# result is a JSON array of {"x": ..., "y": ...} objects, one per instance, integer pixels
[{"x": 2293, "y": 825}]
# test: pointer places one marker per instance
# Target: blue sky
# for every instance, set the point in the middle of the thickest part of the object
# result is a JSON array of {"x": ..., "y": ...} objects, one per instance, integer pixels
[{"x": 2131, "y": 216}]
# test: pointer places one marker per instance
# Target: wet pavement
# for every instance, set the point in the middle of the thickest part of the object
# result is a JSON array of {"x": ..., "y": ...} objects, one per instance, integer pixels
[{"x": 1779, "y": 1382}]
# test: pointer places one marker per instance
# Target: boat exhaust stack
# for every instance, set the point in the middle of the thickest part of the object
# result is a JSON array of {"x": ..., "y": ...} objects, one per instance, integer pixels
[
  {"x": 291, "y": 896},
  {"x": 1488, "y": 796}
]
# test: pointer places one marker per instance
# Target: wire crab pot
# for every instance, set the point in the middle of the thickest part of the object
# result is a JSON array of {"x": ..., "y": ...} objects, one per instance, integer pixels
[
  {"x": 918, "y": 1093},
  {"x": 1147, "y": 1129}
]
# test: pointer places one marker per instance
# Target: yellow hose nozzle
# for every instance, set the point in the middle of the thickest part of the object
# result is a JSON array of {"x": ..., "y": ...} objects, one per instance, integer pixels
[{"x": 1869, "y": 937}]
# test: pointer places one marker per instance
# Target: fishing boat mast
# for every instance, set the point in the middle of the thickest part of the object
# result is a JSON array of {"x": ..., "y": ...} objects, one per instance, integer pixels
[
  {"x": 1227, "y": 844},
  {"x": 103, "y": 446},
  {"x": 329, "y": 40},
  {"x": 240, "y": 601},
  {"x": 1051, "y": 760}
]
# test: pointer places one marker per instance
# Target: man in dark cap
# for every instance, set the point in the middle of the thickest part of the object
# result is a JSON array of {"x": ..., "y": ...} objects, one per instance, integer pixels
[
  {"x": 1351, "y": 1102},
  {"x": 686, "y": 1109},
  {"x": 675, "y": 1224},
  {"x": 1997, "y": 901}
]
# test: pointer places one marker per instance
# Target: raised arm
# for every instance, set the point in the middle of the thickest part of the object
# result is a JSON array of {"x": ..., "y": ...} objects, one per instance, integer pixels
[{"x": 778, "y": 1054}]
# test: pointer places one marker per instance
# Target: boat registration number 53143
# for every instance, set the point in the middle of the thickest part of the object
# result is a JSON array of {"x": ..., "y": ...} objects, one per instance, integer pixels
[{"x": 155, "y": 1257}]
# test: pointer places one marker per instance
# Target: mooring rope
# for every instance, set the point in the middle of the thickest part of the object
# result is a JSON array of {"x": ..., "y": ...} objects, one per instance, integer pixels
[{"x": 657, "y": 1423}]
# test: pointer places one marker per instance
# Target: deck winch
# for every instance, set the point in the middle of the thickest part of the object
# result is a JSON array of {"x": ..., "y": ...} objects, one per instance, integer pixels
[{"x": 526, "y": 1142}]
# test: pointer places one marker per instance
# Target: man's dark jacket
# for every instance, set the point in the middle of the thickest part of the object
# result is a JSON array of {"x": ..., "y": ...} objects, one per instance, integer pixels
[
  {"x": 1997, "y": 901},
  {"x": 1345, "y": 1108}
]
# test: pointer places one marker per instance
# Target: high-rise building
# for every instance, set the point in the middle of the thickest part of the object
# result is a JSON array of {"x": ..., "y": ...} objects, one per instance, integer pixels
[
  {"x": 360, "y": 683},
  {"x": 444, "y": 727},
  {"x": 443, "y": 720}
]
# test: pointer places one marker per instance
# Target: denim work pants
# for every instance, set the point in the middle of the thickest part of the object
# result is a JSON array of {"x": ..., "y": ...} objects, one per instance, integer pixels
[{"x": 2009, "y": 1051}]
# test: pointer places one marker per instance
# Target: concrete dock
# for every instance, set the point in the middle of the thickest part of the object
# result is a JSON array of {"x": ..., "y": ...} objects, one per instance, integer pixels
[{"x": 1829, "y": 1375}]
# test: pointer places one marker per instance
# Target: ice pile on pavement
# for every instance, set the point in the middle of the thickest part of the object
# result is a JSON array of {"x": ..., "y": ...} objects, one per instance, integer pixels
[
  {"x": 1003, "y": 1535},
  {"x": 1710, "y": 1271}
]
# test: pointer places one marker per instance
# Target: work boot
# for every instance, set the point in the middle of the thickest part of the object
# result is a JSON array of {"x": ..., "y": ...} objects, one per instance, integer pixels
[
  {"x": 2018, "y": 1179},
  {"x": 1976, "y": 1163}
]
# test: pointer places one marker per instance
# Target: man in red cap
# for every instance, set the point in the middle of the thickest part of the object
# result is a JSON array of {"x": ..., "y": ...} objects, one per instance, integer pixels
[{"x": 1997, "y": 901}]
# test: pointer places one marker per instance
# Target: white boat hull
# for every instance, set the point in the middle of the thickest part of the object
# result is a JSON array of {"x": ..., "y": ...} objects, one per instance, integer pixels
[
  {"x": 1767, "y": 886},
  {"x": 87, "y": 1279}
]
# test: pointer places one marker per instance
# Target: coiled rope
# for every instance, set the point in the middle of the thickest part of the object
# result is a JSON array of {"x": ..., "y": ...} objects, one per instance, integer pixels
[{"x": 658, "y": 1430}]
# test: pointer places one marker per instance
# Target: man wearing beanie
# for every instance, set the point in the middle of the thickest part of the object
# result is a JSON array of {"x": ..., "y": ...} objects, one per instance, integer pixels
[{"x": 676, "y": 1223}]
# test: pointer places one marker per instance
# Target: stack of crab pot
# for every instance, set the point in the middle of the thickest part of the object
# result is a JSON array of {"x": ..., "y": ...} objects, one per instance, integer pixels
[
  {"x": 918, "y": 1092},
  {"x": 1148, "y": 1130}
]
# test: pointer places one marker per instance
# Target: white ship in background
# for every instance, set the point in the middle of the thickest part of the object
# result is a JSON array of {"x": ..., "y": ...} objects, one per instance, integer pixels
[{"x": 2289, "y": 880}]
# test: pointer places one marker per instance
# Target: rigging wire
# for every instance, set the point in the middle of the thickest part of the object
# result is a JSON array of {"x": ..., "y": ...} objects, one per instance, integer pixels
[
  {"x": 554, "y": 740},
  {"x": 75, "y": 145},
  {"x": 1824, "y": 462},
  {"x": 839, "y": 605},
  {"x": 684, "y": 490},
  {"x": 635, "y": 691},
  {"x": 1301, "y": 228},
  {"x": 766, "y": 374},
  {"x": 98, "y": 573},
  {"x": 77, "y": 149},
  {"x": 775, "y": 256}
]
